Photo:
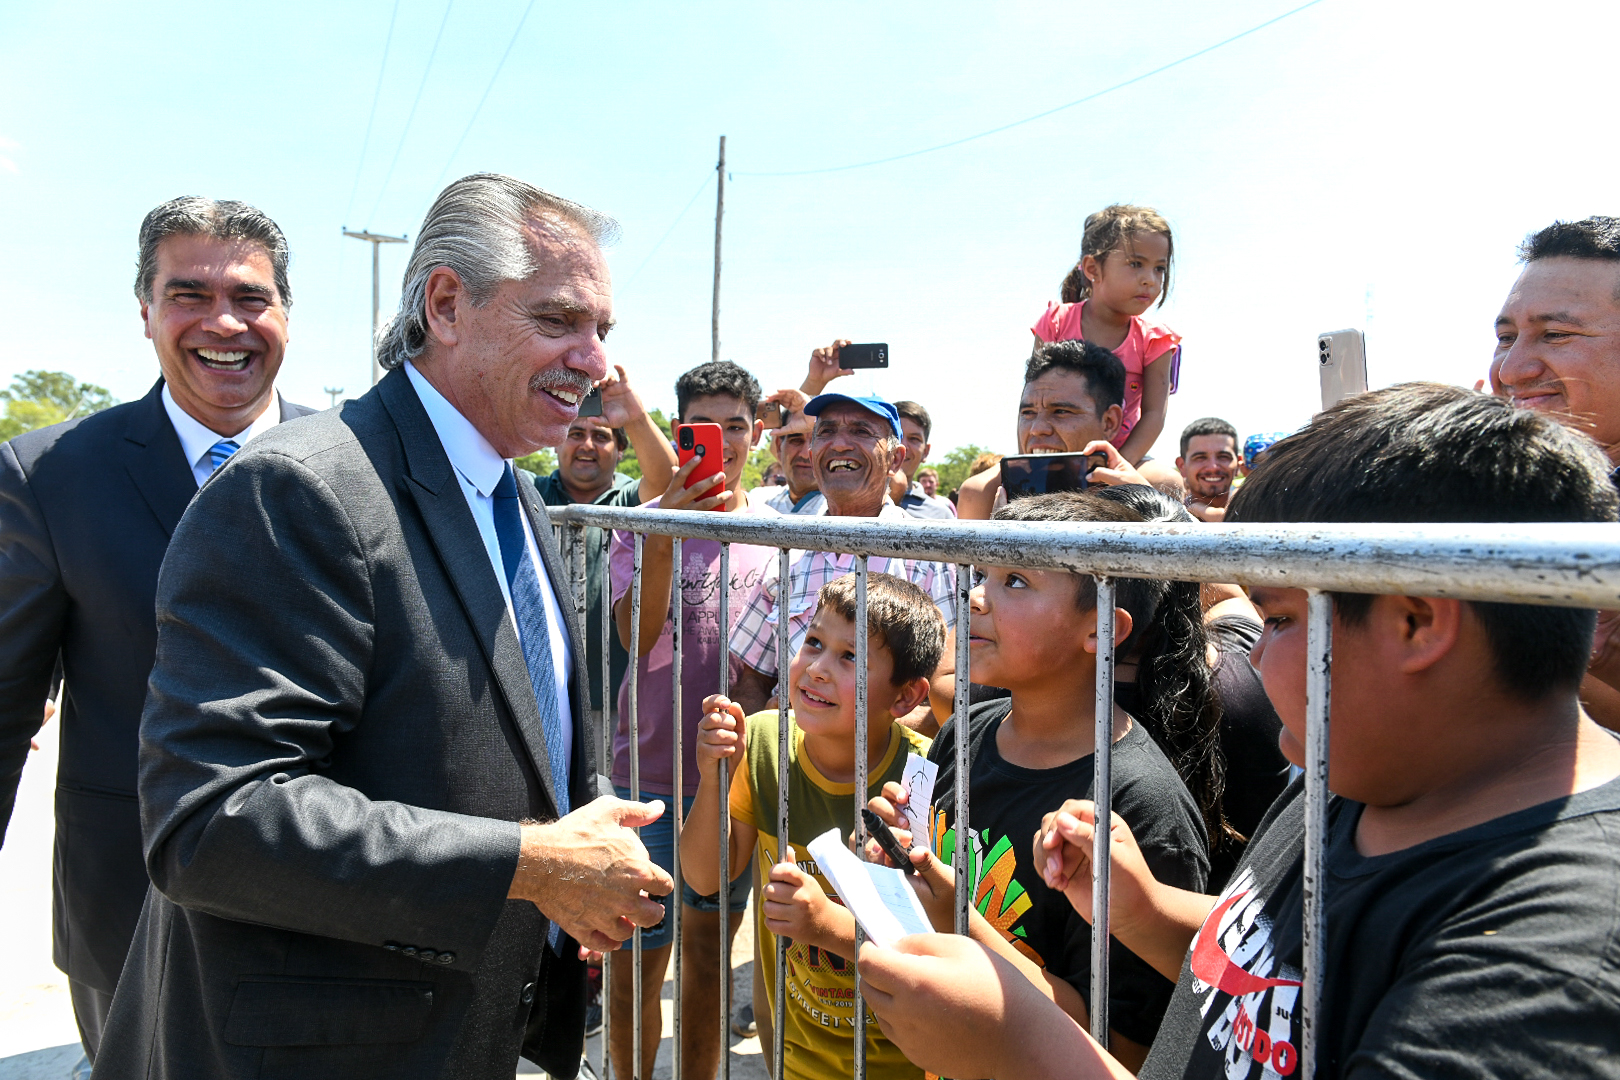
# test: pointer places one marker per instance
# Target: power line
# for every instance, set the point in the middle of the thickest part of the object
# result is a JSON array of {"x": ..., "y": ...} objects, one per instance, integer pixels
[
  {"x": 376, "y": 96},
  {"x": 1042, "y": 115},
  {"x": 678, "y": 218},
  {"x": 470, "y": 120},
  {"x": 412, "y": 115}
]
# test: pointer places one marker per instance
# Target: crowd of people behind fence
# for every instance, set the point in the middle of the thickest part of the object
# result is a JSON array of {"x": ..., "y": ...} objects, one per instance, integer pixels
[{"x": 330, "y": 800}]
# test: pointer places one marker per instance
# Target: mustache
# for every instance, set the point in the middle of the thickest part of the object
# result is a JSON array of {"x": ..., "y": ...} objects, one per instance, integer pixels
[{"x": 561, "y": 379}]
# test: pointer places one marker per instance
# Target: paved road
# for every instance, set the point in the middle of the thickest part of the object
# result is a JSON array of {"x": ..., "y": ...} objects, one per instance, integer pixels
[{"x": 38, "y": 1039}]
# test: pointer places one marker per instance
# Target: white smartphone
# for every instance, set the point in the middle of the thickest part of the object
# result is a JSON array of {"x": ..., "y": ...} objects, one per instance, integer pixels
[{"x": 1342, "y": 359}]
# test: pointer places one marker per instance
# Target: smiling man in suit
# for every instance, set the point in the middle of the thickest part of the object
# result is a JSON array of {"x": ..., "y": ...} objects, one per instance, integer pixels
[
  {"x": 368, "y": 794},
  {"x": 86, "y": 511}
]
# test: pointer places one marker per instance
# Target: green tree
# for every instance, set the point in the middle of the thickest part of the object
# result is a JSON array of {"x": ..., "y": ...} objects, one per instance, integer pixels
[
  {"x": 953, "y": 467},
  {"x": 542, "y": 462},
  {"x": 37, "y": 399}
]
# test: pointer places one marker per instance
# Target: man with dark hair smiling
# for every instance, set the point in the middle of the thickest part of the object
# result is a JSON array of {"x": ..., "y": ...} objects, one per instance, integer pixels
[
  {"x": 86, "y": 511},
  {"x": 1209, "y": 459},
  {"x": 587, "y": 472},
  {"x": 1073, "y": 397},
  {"x": 1558, "y": 352}
]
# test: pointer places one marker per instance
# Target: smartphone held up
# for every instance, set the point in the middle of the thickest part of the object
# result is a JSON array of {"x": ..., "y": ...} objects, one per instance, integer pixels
[{"x": 701, "y": 441}]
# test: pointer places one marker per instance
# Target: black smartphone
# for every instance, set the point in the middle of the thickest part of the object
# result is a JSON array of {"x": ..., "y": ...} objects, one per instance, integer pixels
[
  {"x": 863, "y": 356},
  {"x": 771, "y": 414},
  {"x": 592, "y": 405},
  {"x": 1037, "y": 474},
  {"x": 879, "y": 830}
]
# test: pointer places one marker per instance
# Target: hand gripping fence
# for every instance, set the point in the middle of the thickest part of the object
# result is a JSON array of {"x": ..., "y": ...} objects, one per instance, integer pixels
[{"x": 1566, "y": 565}]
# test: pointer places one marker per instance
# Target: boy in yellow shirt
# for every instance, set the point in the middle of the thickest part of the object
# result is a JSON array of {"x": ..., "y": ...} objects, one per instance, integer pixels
[{"x": 906, "y": 636}]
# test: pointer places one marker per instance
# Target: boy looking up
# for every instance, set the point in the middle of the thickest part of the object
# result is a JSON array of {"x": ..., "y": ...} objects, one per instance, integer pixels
[
  {"x": 906, "y": 637},
  {"x": 714, "y": 393},
  {"x": 1472, "y": 866}
]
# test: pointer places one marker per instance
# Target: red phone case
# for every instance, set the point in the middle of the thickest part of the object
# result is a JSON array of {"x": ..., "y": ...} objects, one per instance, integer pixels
[{"x": 705, "y": 438}]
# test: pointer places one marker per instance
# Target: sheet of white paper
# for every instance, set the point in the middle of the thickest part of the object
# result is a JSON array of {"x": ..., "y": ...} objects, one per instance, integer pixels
[
  {"x": 878, "y": 896},
  {"x": 918, "y": 780}
]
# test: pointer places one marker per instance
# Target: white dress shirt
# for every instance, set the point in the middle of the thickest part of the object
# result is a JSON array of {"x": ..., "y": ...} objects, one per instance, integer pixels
[
  {"x": 196, "y": 440},
  {"x": 478, "y": 467}
]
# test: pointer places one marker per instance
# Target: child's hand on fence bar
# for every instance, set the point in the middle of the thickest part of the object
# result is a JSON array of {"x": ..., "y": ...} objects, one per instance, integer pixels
[
  {"x": 721, "y": 735},
  {"x": 1063, "y": 848},
  {"x": 797, "y": 908}
]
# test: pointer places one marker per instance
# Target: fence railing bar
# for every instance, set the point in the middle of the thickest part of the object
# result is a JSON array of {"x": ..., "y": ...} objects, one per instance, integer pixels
[
  {"x": 604, "y": 732},
  {"x": 961, "y": 856},
  {"x": 784, "y": 605},
  {"x": 858, "y": 827},
  {"x": 1558, "y": 563},
  {"x": 677, "y": 604},
  {"x": 631, "y": 674},
  {"x": 1103, "y": 798},
  {"x": 1318, "y": 704},
  {"x": 724, "y": 776}
]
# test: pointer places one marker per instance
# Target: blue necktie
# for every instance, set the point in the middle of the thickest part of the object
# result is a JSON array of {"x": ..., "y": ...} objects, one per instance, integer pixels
[
  {"x": 220, "y": 451},
  {"x": 529, "y": 607}
]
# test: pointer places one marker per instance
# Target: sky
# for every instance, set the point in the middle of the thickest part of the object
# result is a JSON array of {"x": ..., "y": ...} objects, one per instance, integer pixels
[{"x": 1358, "y": 164}]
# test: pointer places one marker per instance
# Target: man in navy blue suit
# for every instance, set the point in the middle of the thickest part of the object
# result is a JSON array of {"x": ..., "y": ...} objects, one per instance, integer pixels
[{"x": 86, "y": 511}]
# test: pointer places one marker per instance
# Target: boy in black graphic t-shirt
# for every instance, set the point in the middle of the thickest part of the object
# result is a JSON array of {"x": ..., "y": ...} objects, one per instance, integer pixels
[
  {"x": 1473, "y": 848},
  {"x": 1033, "y": 632}
]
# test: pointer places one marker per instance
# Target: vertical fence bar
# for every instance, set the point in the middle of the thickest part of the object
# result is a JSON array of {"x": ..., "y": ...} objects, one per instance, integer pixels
[
  {"x": 677, "y": 612},
  {"x": 784, "y": 747},
  {"x": 858, "y": 829},
  {"x": 1103, "y": 797},
  {"x": 1318, "y": 702},
  {"x": 959, "y": 715},
  {"x": 635, "y": 794},
  {"x": 604, "y": 733},
  {"x": 724, "y": 775}
]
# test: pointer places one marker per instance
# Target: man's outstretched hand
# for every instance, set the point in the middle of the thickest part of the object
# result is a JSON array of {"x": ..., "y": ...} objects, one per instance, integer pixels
[{"x": 589, "y": 873}]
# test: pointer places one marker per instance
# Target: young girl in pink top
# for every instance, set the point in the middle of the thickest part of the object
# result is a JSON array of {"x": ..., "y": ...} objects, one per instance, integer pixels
[{"x": 1124, "y": 267}]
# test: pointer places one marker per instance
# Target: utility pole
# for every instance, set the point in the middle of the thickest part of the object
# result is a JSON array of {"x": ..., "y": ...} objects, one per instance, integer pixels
[
  {"x": 334, "y": 391},
  {"x": 376, "y": 240},
  {"x": 719, "y": 215}
]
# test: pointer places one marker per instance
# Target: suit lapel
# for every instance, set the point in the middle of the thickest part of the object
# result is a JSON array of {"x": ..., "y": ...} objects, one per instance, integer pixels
[
  {"x": 437, "y": 494},
  {"x": 155, "y": 462},
  {"x": 584, "y": 763}
]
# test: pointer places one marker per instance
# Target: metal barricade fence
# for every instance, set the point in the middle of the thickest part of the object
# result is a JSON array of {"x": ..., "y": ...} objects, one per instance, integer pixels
[{"x": 1569, "y": 565}]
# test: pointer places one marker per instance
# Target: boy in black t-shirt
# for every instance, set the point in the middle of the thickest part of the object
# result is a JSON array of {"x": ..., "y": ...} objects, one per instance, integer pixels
[
  {"x": 1034, "y": 633},
  {"x": 1473, "y": 848}
]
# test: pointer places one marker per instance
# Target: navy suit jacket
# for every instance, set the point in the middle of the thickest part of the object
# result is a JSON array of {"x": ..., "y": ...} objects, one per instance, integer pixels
[{"x": 86, "y": 511}]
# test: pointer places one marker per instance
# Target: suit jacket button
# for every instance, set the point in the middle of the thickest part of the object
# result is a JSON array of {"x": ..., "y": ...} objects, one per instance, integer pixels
[
  {"x": 391, "y": 946},
  {"x": 426, "y": 955},
  {"x": 409, "y": 950},
  {"x": 447, "y": 958},
  {"x": 528, "y": 993}
]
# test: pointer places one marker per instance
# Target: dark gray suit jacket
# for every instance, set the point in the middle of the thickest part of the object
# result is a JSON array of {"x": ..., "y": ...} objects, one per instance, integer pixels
[
  {"x": 340, "y": 739},
  {"x": 86, "y": 511}
]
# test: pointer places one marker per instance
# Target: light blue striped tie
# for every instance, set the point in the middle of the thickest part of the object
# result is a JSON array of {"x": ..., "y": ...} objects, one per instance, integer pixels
[
  {"x": 534, "y": 633},
  {"x": 220, "y": 452}
]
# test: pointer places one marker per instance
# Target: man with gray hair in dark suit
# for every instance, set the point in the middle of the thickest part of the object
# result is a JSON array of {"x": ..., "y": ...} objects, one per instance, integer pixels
[{"x": 369, "y": 797}]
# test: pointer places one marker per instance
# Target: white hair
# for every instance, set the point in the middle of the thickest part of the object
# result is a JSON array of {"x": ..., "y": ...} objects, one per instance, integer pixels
[{"x": 476, "y": 228}]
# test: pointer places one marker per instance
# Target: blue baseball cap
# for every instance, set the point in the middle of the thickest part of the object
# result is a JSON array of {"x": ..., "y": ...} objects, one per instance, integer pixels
[
  {"x": 1255, "y": 445},
  {"x": 874, "y": 405}
]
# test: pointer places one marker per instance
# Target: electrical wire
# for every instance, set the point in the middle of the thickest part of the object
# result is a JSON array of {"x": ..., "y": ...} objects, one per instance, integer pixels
[
  {"x": 376, "y": 96},
  {"x": 1042, "y": 115},
  {"x": 437, "y": 184},
  {"x": 412, "y": 115},
  {"x": 678, "y": 218}
]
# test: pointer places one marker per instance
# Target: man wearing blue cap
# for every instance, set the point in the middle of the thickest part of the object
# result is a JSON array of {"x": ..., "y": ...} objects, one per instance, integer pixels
[{"x": 855, "y": 444}]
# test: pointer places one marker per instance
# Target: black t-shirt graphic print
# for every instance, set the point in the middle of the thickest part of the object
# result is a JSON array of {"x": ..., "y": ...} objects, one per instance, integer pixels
[{"x": 1489, "y": 952}]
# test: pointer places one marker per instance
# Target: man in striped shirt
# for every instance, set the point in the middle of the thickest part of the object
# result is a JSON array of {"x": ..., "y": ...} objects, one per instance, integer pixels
[{"x": 855, "y": 444}]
